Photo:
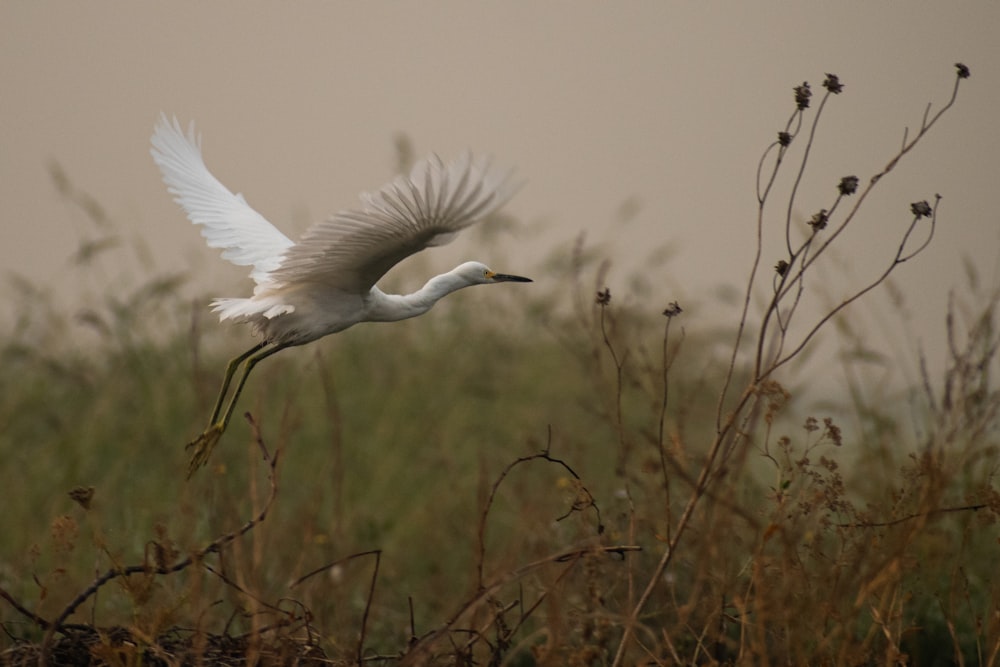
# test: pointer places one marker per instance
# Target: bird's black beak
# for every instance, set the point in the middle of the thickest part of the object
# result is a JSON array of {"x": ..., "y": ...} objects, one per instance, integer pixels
[{"x": 507, "y": 278}]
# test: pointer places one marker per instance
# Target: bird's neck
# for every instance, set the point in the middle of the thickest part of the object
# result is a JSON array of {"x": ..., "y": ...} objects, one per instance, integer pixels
[{"x": 392, "y": 307}]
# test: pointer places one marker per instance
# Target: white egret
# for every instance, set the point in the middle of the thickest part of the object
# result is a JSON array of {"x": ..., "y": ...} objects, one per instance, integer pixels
[{"x": 325, "y": 282}]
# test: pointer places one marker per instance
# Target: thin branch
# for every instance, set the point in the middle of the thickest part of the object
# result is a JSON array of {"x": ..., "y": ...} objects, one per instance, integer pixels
[
  {"x": 896, "y": 261},
  {"x": 419, "y": 651},
  {"x": 785, "y": 138},
  {"x": 925, "y": 127},
  {"x": 329, "y": 566},
  {"x": 577, "y": 505},
  {"x": 368, "y": 606},
  {"x": 603, "y": 299},
  {"x": 802, "y": 170},
  {"x": 910, "y": 517},
  {"x": 699, "y": 491},
  {"x": 668, "y": 361},
  {"x": 214, "y": 546},
  {"x": 24, "y": 611}
]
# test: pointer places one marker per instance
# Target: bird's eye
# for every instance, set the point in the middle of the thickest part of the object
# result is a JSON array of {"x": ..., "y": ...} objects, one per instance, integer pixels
[{"x": 487, "y": 274}]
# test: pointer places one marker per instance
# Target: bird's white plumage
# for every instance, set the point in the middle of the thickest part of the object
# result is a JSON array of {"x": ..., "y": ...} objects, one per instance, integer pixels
[
  {"x": 326, "y": 281},
  {"x": 226, "y": 220},
  {"x": 354, "y": 248}
]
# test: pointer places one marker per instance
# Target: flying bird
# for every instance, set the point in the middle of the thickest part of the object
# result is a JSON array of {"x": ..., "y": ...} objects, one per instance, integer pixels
[{"x": 325, "y": 282}]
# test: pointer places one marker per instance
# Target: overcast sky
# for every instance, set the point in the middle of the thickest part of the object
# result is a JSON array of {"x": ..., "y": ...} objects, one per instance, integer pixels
[{"x": 658, "y": 108}]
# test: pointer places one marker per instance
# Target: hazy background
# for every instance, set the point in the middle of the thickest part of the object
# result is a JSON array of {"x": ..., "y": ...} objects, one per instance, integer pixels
[{"x": 640, "y": 124}]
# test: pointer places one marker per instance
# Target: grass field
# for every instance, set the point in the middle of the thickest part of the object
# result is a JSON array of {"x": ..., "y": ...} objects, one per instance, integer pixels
[{"x": 556, "y": 476}]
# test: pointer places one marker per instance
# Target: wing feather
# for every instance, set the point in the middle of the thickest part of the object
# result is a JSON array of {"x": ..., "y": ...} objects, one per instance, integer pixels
[
  {"x": 354, "y": 248},
  {"x": 227, "y": 221}
]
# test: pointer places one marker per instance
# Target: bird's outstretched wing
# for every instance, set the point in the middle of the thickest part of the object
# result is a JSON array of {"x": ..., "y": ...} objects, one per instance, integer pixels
[
  {"x": 226, "y": 220},
  {"x": 354, "y": 248}
]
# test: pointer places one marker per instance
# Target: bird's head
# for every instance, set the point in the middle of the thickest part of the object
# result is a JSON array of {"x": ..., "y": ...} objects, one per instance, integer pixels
[{"x": 477, "y": 273}]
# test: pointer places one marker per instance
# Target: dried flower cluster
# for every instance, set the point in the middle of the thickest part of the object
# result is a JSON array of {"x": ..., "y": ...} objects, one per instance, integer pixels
[
  {"x": 848, "y": 185},
  {"x": 802, "y": 95},
  {"x": 833, "y": 84},
  {"x": 819, "y": 219},
  {"x": 921, "y": 209},
  {"x": 673, "y": 309}
]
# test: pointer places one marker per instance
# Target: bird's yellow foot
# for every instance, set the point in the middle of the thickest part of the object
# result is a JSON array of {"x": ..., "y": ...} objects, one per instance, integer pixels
[{"x": 203, "y": 446}]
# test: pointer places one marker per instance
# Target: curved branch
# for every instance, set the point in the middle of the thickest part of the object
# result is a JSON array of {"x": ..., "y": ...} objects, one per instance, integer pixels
[
  {"x": 576, "y": 507},
  {"x": 214, "y": 546},
  {"x": 896, "y": 261}
]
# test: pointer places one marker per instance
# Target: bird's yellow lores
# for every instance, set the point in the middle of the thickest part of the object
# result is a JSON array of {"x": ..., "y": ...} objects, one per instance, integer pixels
[{"x": 325, "y": 282}]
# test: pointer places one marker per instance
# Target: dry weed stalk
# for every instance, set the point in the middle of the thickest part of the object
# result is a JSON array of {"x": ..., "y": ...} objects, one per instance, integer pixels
[
  {"x": 772, "y": 348},
  {"x": 158, "y": 557},
  {"x": 584, "y": 500},
  {"x": 484, "y": 609},
  {"x": 423, "y": 648},
  {"x": 377, "y": 555}
]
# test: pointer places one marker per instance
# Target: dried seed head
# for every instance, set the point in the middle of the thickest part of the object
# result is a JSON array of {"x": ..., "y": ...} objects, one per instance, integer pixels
[
  {"x": 833, "y": 84},
  {"x": 604, "y": 297},
  {"x": 802, "y": 95},
  {"x": 819, "y": 220},
  {"x": 784, "y": 138},
  {"x": 921, "y": 209},
  {"x": 83, "y": 495},
  {"x": 848, "y": 185},
  {"x": 963, "y": 70},
  {"x": 673, "y": 309},
  {"x": 832, "y": 432},
  {"x": 781, "y": 267}
]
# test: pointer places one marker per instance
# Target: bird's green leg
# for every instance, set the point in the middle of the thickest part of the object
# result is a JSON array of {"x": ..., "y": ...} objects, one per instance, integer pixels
[
  {"x": 230, "y": 371},
  {"x": 247, "y": 367},
  {"x": 205, "y": 443}
]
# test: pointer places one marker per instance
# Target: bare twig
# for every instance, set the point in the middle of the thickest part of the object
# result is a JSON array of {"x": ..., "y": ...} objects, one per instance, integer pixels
[
  {"x": 577, "y": 506},
  {"x": 24, "y": 611},
  {"x": 624, "y": 448},
  {"x": 668, "y": 360},
  {"x": 785, "y": 139},
  {"x": 910, "y": 517},
  {"x": 900, "y": 257},
  {"x": 603, "y": 300},
  {"x": 802, "y": 170},
  {"x": 214, "y": 546},
  {"x": 368, "y": 606},
  {"x": 423, "y": 647},
  {"x": 377, "y": 553}
]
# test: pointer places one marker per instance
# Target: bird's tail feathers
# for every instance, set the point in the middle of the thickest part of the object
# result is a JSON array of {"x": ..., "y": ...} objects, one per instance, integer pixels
[{"x": 242, "y": 310}]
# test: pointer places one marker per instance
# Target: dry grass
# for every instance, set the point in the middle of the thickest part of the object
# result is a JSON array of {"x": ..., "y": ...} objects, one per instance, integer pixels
[{"x": 588, "y": 490}]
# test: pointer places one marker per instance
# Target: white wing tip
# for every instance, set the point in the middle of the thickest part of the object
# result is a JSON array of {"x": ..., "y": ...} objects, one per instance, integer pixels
[{"x": 167, "y": 130}]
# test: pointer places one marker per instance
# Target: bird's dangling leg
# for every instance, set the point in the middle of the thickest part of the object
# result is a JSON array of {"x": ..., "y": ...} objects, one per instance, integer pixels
[
  {"x": 203, "y": 446},
  {"x": 230, "y": 371},
  {"x": 247, "y": 367},
  {"x": 205, "y": 443}
]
